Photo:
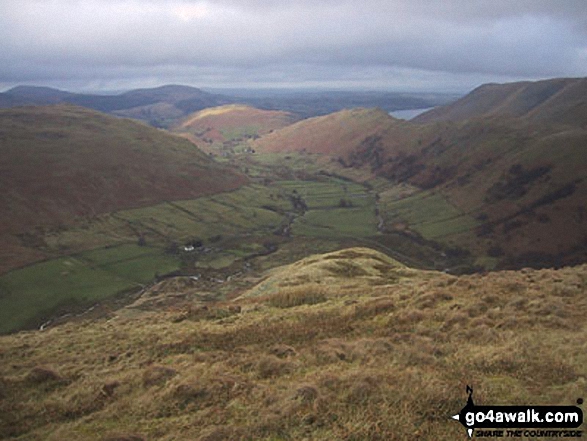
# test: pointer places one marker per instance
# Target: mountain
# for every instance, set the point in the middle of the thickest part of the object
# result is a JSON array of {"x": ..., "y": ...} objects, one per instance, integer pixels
[
  {"x": 61, "y": 163},
  {"x": 507, "y": 184},
  {"x": 32, "y": 95},
  {"x": 151, "y": 103},
  {"x": 555, "y": 101},
  {"x": 343, "y": 345}
]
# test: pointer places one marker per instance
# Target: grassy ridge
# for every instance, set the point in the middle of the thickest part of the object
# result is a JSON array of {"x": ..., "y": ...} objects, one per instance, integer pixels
[
  {"x": 384, "y": 354},
  {"x": 556, "y": 100}
]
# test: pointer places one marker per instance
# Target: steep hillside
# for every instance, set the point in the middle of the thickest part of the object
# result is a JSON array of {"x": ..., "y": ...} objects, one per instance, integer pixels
[
  {"x": 498, "y": 189},
  {"x": 376, "y": 351},
  {"x": 231, "y": 125},
  {"x": 556, "y": 101},
  {"x": 61, "y": 163}
]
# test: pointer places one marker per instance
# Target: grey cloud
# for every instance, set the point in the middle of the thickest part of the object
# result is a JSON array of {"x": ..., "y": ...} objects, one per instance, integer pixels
[{"x": 147, "y": 39}]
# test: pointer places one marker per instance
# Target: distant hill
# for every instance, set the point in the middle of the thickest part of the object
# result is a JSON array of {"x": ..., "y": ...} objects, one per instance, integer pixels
[
  {"x": 232, "y": 123},
  {"x": 502, "y": 173},
  {"x": 166, "y": 106},
  {"x": 157, "y": 106},
  {"x": 63, "y": 162},
  {"x": 556, "y": 101}
]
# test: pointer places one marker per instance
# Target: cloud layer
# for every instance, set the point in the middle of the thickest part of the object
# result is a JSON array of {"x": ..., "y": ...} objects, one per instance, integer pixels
[{"x": 368, "y": 43}]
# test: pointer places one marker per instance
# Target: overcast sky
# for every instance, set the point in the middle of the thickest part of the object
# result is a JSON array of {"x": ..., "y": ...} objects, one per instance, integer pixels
[{"x": 427, "y": 45}]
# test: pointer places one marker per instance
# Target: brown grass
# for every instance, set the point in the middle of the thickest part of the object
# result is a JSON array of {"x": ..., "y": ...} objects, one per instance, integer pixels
[
  {"x": 385, "y": 362},
  {"x": 288, "y": 298}
]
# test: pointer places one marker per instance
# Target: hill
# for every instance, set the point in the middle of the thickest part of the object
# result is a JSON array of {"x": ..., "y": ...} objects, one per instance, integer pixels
[
  {"x": 555, "y": 101},
  {"x": 230, "y": 126},
  {"x": 341, "y": 134},
  {"x": 62, "y": 163},
  {"x": 376, "y": 351}
]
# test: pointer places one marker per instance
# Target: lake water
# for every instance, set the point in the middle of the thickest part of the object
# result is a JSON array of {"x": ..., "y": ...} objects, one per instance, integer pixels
[{"x": 409, "y": 114}]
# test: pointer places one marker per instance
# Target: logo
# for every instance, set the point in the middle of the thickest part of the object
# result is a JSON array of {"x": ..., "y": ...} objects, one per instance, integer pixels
[{"x": 552, "y": 421}]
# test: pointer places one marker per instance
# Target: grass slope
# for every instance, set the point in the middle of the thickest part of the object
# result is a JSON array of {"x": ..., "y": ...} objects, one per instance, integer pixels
[
  {"x": 510, "y": 189},
  {"x": 347, "y": 346}
]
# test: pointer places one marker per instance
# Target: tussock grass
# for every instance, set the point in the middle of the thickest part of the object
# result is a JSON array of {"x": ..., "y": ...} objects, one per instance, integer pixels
[
  {"x": 288, "y": 298},
  {"x": 372, "y": 362}
]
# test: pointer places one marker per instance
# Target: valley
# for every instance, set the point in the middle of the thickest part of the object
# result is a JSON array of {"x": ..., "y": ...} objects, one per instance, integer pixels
[
  {"x": 293, "y": 221},
  {"x": 284, "y": 212}
]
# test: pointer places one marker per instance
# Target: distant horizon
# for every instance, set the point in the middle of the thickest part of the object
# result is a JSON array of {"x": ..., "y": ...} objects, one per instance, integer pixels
[
  {"x": 286, "y": 89},
  {"x": 256, "y": 89}
]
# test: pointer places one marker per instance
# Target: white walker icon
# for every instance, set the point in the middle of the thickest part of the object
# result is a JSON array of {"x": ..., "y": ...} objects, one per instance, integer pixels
[{"x": 469, "y": 407}]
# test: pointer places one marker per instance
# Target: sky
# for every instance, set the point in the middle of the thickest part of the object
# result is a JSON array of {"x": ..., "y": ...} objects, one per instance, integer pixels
[{"x": 398, "y": 45}]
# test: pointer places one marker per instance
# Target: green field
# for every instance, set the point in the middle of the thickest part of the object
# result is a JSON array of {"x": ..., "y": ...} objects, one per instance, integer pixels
[
  {"x": 335, "y": 208},
  {"x": 430, "y": 214},
  {"x": 240, "y": 132},
  {"x": 340, "y": 222},
  {"x": 251, "y": 208},
  {"x": 33, "y": 293},
  {"x": 329, "y": 194},
  {"x": 104, "y": 257},
  {"x": 131, "y": 262}
]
